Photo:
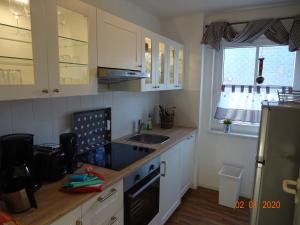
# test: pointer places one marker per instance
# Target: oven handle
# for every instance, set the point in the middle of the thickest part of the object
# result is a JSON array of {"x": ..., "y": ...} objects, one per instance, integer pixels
[{"x": 145, "y": 186}]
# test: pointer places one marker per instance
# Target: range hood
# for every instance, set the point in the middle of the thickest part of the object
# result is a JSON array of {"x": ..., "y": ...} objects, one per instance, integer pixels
[{"x": 110, "y": 75}]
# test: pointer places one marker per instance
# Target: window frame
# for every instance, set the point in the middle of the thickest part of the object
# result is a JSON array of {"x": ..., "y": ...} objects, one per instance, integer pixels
[{"x": 240, "y": 128}]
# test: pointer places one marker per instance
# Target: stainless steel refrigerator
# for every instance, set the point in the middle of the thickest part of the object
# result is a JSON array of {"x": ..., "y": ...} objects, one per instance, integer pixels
[{"x": 277, "y": 188}]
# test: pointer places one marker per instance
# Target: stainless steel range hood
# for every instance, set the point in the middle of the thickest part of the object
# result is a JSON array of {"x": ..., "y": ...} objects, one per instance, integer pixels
[{"x": 111, "y": 75}]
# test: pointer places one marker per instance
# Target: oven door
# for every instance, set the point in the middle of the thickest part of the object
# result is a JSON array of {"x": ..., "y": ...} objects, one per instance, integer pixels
[{"x": 142, "y": 200}]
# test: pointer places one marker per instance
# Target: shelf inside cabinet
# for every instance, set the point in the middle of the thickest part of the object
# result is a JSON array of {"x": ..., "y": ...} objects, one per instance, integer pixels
[
  {"x": 71, "y": 42},
  {"x": 16, "y": 58},
  {"x": 73, "y": 64},
  {"x": 16, "y": 71},
  {"x": 15, "y": 27},
  {"x": 14, "y": 34}
]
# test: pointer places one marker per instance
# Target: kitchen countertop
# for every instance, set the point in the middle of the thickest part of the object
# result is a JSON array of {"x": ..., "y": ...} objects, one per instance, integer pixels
[{"x": 53, "y": 204}]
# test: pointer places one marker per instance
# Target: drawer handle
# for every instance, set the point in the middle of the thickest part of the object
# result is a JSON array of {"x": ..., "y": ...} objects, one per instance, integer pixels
[
  {"x": 45, "y": 91},
  {"x": 113, "y": 220},
  {"x": 56, "y": 90},
  {"x": 111, "y": 193}
]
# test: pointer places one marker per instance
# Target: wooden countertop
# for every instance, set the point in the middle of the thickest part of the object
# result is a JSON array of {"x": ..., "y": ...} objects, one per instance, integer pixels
[{"x": 53, "y": 204}]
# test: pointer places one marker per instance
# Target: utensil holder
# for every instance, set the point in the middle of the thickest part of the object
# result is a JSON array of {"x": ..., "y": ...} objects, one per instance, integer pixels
[{"x": 167, "y": 122}]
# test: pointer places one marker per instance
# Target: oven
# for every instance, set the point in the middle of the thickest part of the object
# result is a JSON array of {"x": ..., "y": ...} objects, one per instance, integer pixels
[{"x": 141, "y": 197}]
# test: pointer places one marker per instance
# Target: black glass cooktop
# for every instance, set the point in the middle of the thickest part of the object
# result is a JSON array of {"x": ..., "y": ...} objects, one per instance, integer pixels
[{"x": 114, "y": 156}]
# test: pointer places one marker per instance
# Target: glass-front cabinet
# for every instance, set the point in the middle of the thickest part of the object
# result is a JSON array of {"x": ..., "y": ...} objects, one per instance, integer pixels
[
  {"x": 72, "y": 48},
  {"x": 162, "y": 64},
  {"x": 148, "y": 60},
  {"x": 180, "y": 67},
  {"x": 162, "y": 61},
  {"x": 175, "y": 68},
  {"x": 22, "y": 62}
]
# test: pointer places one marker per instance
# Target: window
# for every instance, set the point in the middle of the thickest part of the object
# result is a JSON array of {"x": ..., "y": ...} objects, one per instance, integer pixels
[
  {"x": 239, "y": 67},
  {"x": 237, "y": 95}
]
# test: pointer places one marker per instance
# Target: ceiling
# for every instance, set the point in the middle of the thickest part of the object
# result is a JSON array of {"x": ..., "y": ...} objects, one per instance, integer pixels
[{"x": 165, "y": 8}]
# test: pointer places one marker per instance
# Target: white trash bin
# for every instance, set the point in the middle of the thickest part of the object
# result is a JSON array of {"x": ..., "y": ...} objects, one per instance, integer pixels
[{"x": 229, "y": 185}]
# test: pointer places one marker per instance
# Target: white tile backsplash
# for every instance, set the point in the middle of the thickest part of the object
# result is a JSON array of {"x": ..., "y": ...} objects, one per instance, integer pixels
[{"x": 47, "y": 118}]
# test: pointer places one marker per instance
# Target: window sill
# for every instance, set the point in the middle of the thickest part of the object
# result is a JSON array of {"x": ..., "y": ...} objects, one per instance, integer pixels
[{"x": 219, "y": 132}]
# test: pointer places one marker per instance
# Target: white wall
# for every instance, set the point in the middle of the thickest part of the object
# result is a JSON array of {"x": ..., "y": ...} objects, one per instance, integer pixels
[
  {"x": 128, "y": 11},
  {"x": 188, "y": 31},
  {"x": 216, "y": 149},
  {"x": 47, "y": 118},
  {"x": 213, "y": 149}
]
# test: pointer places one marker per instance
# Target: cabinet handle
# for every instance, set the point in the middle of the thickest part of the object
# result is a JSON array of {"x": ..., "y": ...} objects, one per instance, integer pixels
[
  {"x": 140, "y": 66},
  {"x": 113, "y": 220},
  {"x": 164, "y": 163},
  {"x": 45, "y": 91},
  {"x": 78, "y": 222},
  {"x": 111, "y": 193},
  {"x": 56, "y": 90}
]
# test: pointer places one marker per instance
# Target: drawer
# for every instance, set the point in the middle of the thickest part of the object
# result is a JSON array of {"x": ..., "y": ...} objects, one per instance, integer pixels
[
  {"x": 72, "y": 218},
  {"x": 116, "y": 219},
  {"x": 104, "y": 206}
]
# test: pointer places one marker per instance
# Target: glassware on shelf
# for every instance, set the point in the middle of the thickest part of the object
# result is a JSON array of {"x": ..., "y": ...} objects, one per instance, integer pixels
[
  {"x": 148, "y": 59},
  {"x": 172, "y": 65},
  {"x": 180, "y": 66},
  {"x": 73, "y": 47},
  {"x": 18, "y": 8},
  {"x": 162, "y": 52},
  {"x": 10, "y": 77},
  {"x": 73, "y": 74}
]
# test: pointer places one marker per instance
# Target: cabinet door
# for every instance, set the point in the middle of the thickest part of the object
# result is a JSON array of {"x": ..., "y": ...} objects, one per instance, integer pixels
[
  {"x": 72, "y": 56},
  {"x": 119, "y": 42},
  {"x": 72, "y": 218},
  {"x": 103, "y": 208},
  {"x": 172, "y": 66},
  {"x": 161, "y": 59},
  {"x": 169, "y": 183},
  {"x": 180, "y": 67},
  {"x": 186, "y": 163},
  {"x": 23, "y": 58},
  {"x": 116, "y": 219},
  {"x": 149, "y": 47}
]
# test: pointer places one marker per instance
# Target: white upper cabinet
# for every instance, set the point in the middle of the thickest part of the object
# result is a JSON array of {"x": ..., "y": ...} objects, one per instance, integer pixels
[
  {"x": 162, "y": 60},
  {"x": 23, "y": 63},
  {"x": 52, "y": 48},
  {"x": 175, "y": 65},
  {"x": 72, "y": 54},
  {"x": 149, "y": 64},
  {"x": 162, "y": 63},
  {"x": 119, "y": 42}
]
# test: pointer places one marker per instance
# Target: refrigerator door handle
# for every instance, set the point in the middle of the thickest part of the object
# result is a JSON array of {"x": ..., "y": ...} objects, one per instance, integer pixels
[
  {"x": 286, "y": 186},
  {"x": 260, "y": 160}
]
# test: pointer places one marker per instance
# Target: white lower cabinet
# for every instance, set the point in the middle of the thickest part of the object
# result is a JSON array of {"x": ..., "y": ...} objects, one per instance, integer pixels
[
  {"x": 169, "y": 183},
  {"x": 186, "y": 163},
  {"x": 105, "y": 208},
  {"x": 176, "y": 177},
  {"x": 72, "y": 218}
]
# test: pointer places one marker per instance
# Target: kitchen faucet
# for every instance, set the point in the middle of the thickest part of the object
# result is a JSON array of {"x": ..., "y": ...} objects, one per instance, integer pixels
[{"x": 140, "y": 126}]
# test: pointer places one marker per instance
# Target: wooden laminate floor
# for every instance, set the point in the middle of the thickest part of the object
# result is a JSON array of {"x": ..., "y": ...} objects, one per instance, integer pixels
[{"x": 200, "y": 207}]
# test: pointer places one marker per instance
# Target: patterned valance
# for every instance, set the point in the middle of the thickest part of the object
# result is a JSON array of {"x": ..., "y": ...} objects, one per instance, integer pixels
[{"x": 273, "y": 29}]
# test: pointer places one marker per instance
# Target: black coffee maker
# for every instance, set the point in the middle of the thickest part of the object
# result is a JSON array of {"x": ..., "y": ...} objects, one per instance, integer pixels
[
  {"x": 16, "y": 166},
  {"x": 68, "y": 144}
]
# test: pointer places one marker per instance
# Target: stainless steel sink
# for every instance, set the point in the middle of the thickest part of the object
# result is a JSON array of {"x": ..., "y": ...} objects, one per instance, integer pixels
[{"x": 149, "y": 138}]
